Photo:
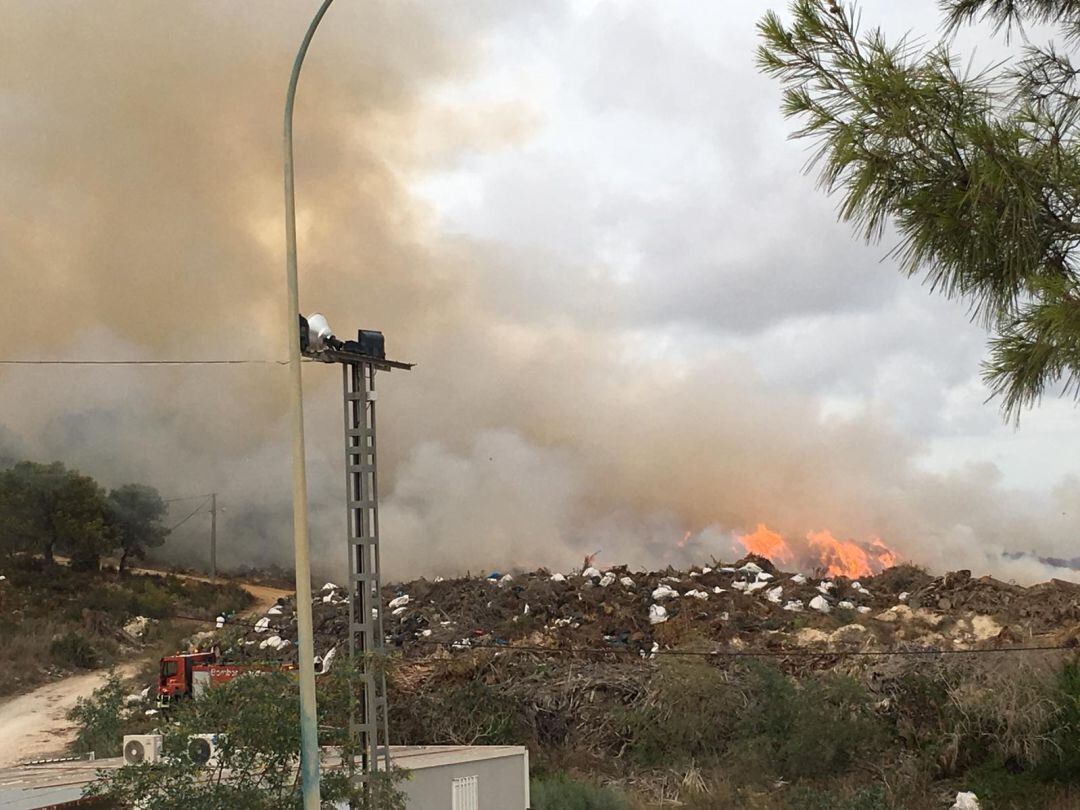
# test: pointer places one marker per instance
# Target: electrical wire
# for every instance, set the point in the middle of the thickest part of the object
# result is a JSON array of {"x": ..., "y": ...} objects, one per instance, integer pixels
[
  {"x": 190, "y": 516},
  {"x": 142, "y": 362}
]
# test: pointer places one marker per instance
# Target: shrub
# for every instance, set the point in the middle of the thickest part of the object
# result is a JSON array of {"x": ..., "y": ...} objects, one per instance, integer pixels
[
  {"x": 817, "y": 726},
  {"x": 1009, "y": 712},
  {"x": 559, "y": 792},
  {"x": 100, "y": 719},
  {"x": 258, "y": 718},
  {"x": 74, "y": 651},
  {"x": 687, "y": 715}
]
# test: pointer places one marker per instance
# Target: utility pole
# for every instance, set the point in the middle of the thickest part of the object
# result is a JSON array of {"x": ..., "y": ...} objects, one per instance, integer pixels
[
  {"x": 213, "y": 536},
  {"x": 305, "y": 636}
]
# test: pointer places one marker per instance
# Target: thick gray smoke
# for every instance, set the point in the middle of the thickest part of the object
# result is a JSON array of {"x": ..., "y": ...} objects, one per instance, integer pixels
[{"x": 141, "y": 217}]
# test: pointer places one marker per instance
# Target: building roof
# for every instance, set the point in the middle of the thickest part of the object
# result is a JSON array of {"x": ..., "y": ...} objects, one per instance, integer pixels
[{"x": 56, "y": 785}]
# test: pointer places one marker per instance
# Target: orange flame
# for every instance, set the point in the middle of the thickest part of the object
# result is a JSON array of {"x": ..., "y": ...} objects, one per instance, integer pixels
[
  {"x": 767, "y": 544},
  {"x": 846, "y": 558}
]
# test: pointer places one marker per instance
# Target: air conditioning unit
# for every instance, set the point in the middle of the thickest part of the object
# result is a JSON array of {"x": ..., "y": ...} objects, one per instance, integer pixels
[
  {"x": 140, "y": 748},
  {"x": 202, "y": 749}
]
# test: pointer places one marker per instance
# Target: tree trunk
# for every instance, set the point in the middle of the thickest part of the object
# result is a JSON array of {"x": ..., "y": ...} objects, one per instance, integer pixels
[
  {"x": 49, "y": 550},
  {"x": 123, "y": 560}
]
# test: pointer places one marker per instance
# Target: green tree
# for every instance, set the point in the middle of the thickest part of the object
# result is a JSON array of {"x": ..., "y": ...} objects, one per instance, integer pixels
[
  {"x": 257, "y": 718},
  {"x": 135, "y": 515},
  {"x": 978, "y": 172},
  {"x": 50, "y": 508},
  {"x": 100, "y": 719}
]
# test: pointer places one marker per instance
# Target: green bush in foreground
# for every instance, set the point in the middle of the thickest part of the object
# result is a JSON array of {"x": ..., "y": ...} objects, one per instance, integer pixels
[
  {"x": 100, "y": 719},
  {"x": 257, "y": 718},
  {"x": 560, "y": 792},
  {"x": 819, "y": 725}
]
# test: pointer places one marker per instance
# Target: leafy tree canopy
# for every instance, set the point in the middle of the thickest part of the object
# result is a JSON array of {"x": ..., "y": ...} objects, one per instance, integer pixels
[
  {"x": 136, "y": 512},
  {"x": 50, "y": 508},
  {"x": 978, "y": 172}
]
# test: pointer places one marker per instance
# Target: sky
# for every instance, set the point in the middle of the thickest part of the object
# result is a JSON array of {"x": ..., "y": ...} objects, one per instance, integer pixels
[{"x": 634, "y": 316}]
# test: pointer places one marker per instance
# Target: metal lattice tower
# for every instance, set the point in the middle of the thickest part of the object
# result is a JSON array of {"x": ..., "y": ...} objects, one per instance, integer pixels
[{"x": 369, "y": 723}]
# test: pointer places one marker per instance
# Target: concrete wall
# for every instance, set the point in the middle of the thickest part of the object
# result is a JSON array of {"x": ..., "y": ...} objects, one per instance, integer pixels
[{"x": 503, "y": 784}]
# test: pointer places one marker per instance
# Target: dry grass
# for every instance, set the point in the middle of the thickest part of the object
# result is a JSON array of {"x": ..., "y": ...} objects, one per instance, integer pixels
[
  {"x": 1007, "y": 710},
  {"x": 24, "y": 654}
]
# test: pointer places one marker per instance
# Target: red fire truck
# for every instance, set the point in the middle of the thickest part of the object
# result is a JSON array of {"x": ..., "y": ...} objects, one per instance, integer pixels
[{"x": 191, "y": 674}]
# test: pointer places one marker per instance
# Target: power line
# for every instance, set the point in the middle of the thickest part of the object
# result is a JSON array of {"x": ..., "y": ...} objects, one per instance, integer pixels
[
  {"x": 141, "y": 362},
  {"x": 193, "y": 513},
  {"x": 186, "y": 498}
]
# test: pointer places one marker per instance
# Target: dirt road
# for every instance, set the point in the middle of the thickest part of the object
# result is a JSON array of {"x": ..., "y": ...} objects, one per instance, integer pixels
[{"x": 35, "y": 725}]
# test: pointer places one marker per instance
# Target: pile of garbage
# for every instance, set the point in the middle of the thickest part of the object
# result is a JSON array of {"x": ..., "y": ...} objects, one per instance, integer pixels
[{"x": 749, "y": 604}]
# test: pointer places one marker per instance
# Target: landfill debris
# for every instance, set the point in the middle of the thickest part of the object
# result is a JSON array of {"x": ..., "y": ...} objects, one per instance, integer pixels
[
  {"x": 273, "y": 642},
  {"x": 398, "y": 601},
  {"x": 729, "y": 606},
  {"x": 607, "y": 579},
  {"x": 137, "y": 627},
  {"x": 966, "y": 801},
  {"x": 590, "y": 573}
]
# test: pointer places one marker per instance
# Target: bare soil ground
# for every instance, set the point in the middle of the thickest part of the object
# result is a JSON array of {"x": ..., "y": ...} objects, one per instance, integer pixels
[{"x": 35, "y": 725}]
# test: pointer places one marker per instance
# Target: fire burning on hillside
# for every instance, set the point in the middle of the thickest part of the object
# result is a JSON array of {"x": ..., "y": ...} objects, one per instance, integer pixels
[{"x": 820, "y": 550}]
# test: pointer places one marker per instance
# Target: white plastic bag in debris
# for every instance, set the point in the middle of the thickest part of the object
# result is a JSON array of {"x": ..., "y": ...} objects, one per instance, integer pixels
[
  {"x": 966, "y": 801},
  {"x": 323, "y": 663},
  {"x": 664, "y": 592},
  {"x": 657, "y": 614}
]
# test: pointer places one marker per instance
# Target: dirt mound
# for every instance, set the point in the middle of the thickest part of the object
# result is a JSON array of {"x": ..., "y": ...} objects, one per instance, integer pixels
[{"x": 748, "y": 604}]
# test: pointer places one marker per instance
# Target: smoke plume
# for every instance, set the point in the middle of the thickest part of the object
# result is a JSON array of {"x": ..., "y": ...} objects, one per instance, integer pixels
[{"x": 141, "y": 218}]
